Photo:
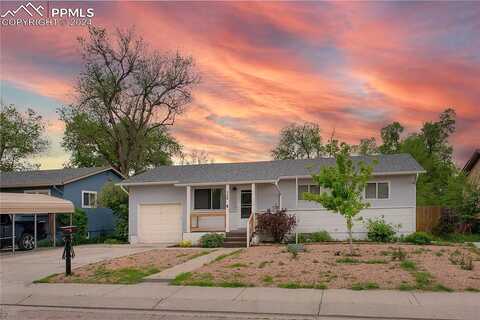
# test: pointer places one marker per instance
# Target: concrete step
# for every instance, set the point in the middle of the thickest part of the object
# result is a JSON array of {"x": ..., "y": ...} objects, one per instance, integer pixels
[
  {"x": 239, "y": 238},
  {"x": 242, "y": 244}
]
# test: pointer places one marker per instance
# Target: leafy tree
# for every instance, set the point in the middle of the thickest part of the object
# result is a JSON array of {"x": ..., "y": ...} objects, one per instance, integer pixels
[
  {"x": 391, "y": 138},
  {"x": 299, "y": 142},
  {"x": 432, "y": 151},
  {"x": 436, "y": 134},
  {"x": 21, "y": 136},
  {"x": 127, "y": 96},
  {"x": 463, "y": 198},
  {"x": 345, "y": 183},
  {"x": 367, "y": 147},
  {"x": 195, "y": 157},
  {"x": 113, "y": 197}
]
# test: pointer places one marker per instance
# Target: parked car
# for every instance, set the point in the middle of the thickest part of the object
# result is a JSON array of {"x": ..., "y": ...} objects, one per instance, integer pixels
[{"x": 24, "y": 230}]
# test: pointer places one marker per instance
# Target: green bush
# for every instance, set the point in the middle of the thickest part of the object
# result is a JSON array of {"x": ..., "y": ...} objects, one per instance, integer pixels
[
  {"x": 379, "y": 230},
  {"x": 113, "y": 197},
  {"x": 419, "y": 237},
  {"x": 80, "y": 220},
  {"x": 294, "y": 249},
  {"x": 212, "y": 240},
  {"x": 185, "y": 244},
  {"x": 319, "y": 236}
]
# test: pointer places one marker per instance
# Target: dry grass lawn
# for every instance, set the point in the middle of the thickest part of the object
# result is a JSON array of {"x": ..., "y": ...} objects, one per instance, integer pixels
[
  {"x": 412, "y": 267},
  {"x": 129, "y": 269}
]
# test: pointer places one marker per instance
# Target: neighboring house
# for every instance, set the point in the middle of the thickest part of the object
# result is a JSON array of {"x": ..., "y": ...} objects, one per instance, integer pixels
[
  {"x": 79, "y": 185},
  {"x": 472, "y": 167},
  {"x": 171, "y": 203}
]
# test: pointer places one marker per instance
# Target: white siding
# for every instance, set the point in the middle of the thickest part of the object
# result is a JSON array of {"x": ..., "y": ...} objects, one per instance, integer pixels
[{"x": 316, "y": 220}]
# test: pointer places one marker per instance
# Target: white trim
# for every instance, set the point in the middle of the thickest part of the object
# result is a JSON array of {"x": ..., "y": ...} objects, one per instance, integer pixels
[
  {"x": 376, "y": 190},
  {"x": 223, "y": 183},
  {"x": 96, "y": 199},
  {"x": 227, "y": 208},
  {"x": 35, "y": 191},
  {"x": 254, "y": 199},
  {"x": 393, "y": 173},
  {"x": 189, "y": 206},
  {"x": 126, "y": 184}
]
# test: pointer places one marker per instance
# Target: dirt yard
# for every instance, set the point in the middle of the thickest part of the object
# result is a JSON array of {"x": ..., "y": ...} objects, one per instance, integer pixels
[
  {"x": 386, "y": 266},
  {"x": 128, "y": 269}
]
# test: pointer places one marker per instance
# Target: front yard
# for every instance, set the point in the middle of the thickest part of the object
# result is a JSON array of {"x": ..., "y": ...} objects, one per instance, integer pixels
[
  {"x": 129, "y": 269},
  {"x": 386, "y": 266}
]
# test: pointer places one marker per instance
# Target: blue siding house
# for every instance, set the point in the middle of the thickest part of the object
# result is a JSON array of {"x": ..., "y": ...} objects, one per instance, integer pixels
[{"x": 79, "y": 185}]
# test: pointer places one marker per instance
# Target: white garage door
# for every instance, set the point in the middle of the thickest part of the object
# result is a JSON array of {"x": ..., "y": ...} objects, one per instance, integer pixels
[{"x": 160, "y": 223}]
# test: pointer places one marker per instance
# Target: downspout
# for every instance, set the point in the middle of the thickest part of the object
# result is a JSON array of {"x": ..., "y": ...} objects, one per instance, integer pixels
[
  {"x": 279, "y": 194},
  {"x": 123, "y": 189}
]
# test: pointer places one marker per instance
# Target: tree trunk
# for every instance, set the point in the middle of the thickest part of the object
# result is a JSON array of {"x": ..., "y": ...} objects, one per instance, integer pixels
[{"x": 350, "y": 238}]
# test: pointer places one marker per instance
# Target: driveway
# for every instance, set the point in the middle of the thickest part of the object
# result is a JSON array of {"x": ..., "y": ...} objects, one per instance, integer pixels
[{"x": 21, "y": 269}]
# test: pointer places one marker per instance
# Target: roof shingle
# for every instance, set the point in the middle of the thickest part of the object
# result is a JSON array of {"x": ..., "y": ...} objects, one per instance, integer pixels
[
  {"x": 39, "y": 178},
  {"x": 266, "y": 170}
]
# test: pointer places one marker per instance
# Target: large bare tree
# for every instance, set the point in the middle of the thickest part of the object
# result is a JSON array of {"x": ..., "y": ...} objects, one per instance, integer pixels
[{"x": 127, "y": 95}]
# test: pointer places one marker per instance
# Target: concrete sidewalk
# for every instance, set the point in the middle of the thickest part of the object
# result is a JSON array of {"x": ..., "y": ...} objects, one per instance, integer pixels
[
  {"x": 188, "y": 266},
  {"x": 266, "y": 301}
]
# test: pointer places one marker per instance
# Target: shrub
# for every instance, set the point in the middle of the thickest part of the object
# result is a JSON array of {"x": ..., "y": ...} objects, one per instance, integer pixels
[
  {"x": 320, "y": 236},
  {"x": 212, "y": 240},
  {"x": 277, "y": 224},
  {"x": 408, "y": 265},
  {"x": 80, "y": 220},
  {"x": 379, "y": 230},
  {"x": 419, "y": 237},
  {"x": 185, "y": 244},
  {"x": 294, "y": 249},
  {"x": 113, "y": 197}
]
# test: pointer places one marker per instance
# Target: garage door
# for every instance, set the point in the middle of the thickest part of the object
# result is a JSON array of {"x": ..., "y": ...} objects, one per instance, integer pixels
[{"x": 160, "y": 223}]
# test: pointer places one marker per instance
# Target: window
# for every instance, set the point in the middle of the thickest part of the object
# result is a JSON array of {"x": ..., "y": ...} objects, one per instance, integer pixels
[
  {"x": 245, "y": 204},
  {"x": 311, "y": 188},
  {"x": 377, "y": 190},
  {"x": 209, "y": 199},
  {"x": 89, "y": 199}
]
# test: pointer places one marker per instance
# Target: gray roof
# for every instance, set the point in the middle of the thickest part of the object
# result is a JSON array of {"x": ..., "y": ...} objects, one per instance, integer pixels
[
  {"x": 40, "y": 178},
  {"x": 266, "y": 170}
]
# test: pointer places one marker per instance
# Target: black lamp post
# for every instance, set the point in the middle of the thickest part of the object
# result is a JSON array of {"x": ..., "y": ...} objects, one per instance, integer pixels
[{"x": 68, "y": 253}]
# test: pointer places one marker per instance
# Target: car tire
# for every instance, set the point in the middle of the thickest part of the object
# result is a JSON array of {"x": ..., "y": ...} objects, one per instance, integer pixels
[{"x": 26, "y": 242}]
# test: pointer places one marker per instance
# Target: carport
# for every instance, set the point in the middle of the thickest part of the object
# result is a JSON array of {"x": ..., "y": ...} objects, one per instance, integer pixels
[{"x": 33, "y": 204}]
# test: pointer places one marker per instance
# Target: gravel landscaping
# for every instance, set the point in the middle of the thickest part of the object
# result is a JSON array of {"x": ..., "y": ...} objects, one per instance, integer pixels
[
  {"x": 128, "y": 269},
  {"x": 385, "y": 266}
]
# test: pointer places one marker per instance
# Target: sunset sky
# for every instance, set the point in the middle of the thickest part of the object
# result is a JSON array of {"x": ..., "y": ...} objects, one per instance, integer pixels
[{"x": 352, "y": 67}]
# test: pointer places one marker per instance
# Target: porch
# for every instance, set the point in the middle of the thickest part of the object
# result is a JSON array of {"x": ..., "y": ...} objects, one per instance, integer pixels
[{"x": 228, "y": 208}]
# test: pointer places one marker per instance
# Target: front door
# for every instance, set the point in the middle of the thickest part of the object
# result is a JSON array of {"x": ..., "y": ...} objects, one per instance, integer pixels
[{"x": 245, "y": 206}]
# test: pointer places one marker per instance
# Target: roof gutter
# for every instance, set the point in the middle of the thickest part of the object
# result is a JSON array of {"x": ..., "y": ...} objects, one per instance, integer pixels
[{"x": 154, "y": 183}]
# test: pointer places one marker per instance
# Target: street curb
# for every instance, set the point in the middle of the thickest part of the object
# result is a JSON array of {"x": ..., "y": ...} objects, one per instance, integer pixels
[{"x": 267, "y": 314}]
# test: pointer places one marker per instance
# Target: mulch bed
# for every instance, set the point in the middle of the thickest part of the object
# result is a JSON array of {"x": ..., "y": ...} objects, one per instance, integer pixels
[{"x": 328, "y": 265}]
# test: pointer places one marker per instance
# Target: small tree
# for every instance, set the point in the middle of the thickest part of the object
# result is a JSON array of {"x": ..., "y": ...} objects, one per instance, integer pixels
[
  {"x": 345, "y": 183},
  {"x": 113, "y": 197}
]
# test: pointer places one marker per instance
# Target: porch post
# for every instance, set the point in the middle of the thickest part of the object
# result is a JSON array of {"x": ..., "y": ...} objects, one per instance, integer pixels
[
  {"x": 254, "y": 199},
  {"x": 13, "y": 233},
  {"x": 227, "y": 208},
  {"x": 189, "y": 207},
  {"x": 35, "y": 229}
]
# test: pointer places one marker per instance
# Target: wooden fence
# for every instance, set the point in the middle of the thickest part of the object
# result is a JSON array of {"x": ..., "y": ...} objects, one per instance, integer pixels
[{"x": 428, "y": 218}]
